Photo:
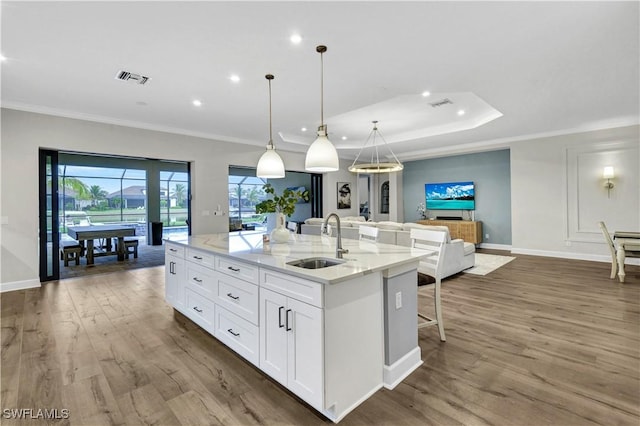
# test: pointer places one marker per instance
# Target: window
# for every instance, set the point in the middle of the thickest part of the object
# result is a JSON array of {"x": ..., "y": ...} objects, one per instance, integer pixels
[
  {"x": 174, "y": 198},
  {"x": 244, "y": 193}
]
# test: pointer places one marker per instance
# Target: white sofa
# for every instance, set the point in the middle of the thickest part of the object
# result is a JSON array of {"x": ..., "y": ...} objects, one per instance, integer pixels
[{"x": 458, "y": 257}]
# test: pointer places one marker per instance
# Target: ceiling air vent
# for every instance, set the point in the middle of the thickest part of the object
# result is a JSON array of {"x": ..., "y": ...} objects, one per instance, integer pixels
[
  {"x": 441, "y": 102},
  {"x": 129, "y": 76}
]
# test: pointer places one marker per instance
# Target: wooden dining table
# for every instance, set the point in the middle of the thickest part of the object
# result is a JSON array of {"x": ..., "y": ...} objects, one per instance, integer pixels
[
  {"x": 626, "y": 242},
  {"x": 94, "y": 232}
]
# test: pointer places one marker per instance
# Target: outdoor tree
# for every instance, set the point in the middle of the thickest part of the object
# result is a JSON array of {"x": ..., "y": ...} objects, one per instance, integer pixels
[
  {"x": 180, "y": 193},
  {"x": 76, "y": 185},
  {"x": 96, "y": 193}
]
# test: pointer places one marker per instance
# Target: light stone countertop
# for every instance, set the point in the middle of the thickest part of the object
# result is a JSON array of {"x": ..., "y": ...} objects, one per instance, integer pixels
[{"x": 364, "y": 257}]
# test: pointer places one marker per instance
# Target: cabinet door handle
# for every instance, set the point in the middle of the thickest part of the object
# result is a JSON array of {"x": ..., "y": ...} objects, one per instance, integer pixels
[
  {"x": 171, "y": 268},
  {"x": 197, "y": 257},
  {"x": 231, "y": 331},
  {"x": 287, "y": 318},
  {"x": 280, "y": 324},
  {"x": 195, "y": 308},
  {"x": 233, "y": 269},
  {"x": 233, "y": 297},
  {"x": 196, "y": 279}
]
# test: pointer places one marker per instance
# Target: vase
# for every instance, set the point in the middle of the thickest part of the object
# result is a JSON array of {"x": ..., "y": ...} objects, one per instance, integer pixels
[{"x": 280, "y": 233}]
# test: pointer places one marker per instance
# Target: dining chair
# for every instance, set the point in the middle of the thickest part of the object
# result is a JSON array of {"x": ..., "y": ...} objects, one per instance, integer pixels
[
  {"x": 292, "y": 226},
  {"x": 368, "y": 233},
  {"x": 435, "y": 241},
  {"x": 612, "y": 249}
]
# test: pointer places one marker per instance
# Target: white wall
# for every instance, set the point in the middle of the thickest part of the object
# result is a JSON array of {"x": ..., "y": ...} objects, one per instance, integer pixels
[
  {"x": 558, "y": 194},
  {"x": 542, "y": 193},
  {"x": 23, "y": 133}
]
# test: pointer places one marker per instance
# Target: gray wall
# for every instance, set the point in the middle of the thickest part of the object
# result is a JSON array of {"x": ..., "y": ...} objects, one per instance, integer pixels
[
  {"x": 303, "y": 210},
  {"x": 490, "y": 171}
]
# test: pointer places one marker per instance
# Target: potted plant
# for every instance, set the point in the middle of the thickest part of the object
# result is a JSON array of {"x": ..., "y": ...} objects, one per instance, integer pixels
[{"x": 283, "y": 205}]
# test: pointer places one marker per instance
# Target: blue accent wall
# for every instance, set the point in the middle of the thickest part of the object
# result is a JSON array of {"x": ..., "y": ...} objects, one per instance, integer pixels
[{"x": 491, "y": 174}]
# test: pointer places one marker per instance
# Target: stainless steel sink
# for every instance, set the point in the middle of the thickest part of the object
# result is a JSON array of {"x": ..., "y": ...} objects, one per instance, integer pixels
[{"x": 315, "y": 262}]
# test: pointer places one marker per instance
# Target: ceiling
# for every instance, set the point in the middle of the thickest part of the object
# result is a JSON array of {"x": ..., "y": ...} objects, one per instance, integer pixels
[{"x": 518, "y": 69}]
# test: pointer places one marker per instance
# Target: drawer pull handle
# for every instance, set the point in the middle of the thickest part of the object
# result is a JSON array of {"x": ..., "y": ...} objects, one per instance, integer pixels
[
  {"x": 280, "y": 324},
  {"x": 233, "y": 297},
  {"x": 231, "y": 331},
  {"x": 173, "y": 250},
  {"x": 195, "y": 308},
  {"x": 196, "y": 279},
  {"x": 197, "y": 257},
  {"x": 287, "y": 318},
  {"x": 233, "y": 269}
]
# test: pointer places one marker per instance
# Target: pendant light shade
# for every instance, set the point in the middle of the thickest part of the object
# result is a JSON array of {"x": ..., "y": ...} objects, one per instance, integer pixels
[
  {"x": 374, "y": 165},
  {"x": 270, "y": 165},
  {"x": 322, "y": 155}
]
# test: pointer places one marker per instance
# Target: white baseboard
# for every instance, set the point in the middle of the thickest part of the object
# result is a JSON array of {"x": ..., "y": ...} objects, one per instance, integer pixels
[
  {"x": 19, "y": 285},
  {"x": 494, "y": 246},
  {"x": 575, "y": 256},
  {"x": 394, "y": 374}
]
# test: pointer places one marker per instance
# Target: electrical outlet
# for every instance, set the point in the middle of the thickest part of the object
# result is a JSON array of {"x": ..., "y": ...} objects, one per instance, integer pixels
[
  {"x": 399, "y": 300},
  {"x": 486, "y": 236}
]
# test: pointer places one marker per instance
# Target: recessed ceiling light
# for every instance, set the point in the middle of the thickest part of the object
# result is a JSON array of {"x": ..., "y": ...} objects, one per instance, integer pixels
[
  {"x": 3, "y": 58},
  {"x": 460, "y": 112},
  {"x": 304, "y": 129},
  {"x": 426, "y": 93},
  {"x": 296, "y": 38},
  {"x": 235, "y": 78},
  {"x": 197, "y": 102},
  {"x": 344, "y": 138}
]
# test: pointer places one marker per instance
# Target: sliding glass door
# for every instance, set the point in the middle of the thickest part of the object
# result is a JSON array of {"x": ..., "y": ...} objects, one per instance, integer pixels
[{"x": 49, "y": 222}]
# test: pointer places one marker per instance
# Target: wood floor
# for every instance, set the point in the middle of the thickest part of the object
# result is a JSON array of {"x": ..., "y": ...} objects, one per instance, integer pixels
[{"x": 540, "y": 341}]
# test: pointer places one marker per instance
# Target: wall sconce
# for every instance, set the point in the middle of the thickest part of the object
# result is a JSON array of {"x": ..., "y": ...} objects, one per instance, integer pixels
[{"x": 607, "y": 174}]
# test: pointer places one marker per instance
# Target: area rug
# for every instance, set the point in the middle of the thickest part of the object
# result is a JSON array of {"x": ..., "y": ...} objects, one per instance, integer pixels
[{"x": 486, "y": 263}]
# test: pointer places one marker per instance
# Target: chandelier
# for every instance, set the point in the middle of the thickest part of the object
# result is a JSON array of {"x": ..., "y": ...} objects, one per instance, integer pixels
[{"x": 374, "y": 165}]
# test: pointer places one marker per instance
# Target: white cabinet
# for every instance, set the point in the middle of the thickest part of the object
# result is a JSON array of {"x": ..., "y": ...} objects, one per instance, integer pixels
[
  {"x": 291, "y": 345},
  {"x": 174, "y": 275},
  {"x": 323, "y": 342}
]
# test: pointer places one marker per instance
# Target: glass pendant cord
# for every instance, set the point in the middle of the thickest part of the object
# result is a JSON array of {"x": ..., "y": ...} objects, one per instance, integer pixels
[
  {"x": 321, "y": 50},
  {"x": 270, "y": 77},
  {"x": 375, "y": 166}
]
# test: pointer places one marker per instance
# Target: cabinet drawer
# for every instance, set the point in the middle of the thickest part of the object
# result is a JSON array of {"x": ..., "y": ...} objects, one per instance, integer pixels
[
  {"x": 237, "y": 269},
  {"x": 202, "y": 280},
  {"x": 200, "y": 309},
  {"x": 239, "y": 334},
  {"x": 298, "y": 288},
  {"x": 238, "y": 296},
  {"x": 200, "y": 257},
  {"x": 174, "y": 250}
]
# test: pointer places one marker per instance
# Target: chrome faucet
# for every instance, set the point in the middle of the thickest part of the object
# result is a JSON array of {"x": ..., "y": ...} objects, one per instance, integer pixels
[{"x": 339, "y": 250}]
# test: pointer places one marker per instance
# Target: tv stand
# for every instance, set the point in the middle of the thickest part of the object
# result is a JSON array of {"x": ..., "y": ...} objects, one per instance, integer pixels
[{"x": 467, "y": 230}]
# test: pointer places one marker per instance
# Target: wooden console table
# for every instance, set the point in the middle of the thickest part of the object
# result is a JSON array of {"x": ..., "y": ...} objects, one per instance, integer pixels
[{"x": 466, "y": 230}]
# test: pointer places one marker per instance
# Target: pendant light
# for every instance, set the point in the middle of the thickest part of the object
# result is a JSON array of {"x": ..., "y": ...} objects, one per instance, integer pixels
[
  {"x": 322, "y": 155},
  {"x": 375, "y": 166},
  {"x": 270, "y": 165}
]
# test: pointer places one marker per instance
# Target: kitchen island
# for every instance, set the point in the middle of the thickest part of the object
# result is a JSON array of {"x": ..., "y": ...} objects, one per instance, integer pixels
[{"x": 333, "y": 336}]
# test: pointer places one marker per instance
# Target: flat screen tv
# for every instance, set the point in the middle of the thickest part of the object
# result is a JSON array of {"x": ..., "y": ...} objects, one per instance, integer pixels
[{"x": 450, "y": 196}]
